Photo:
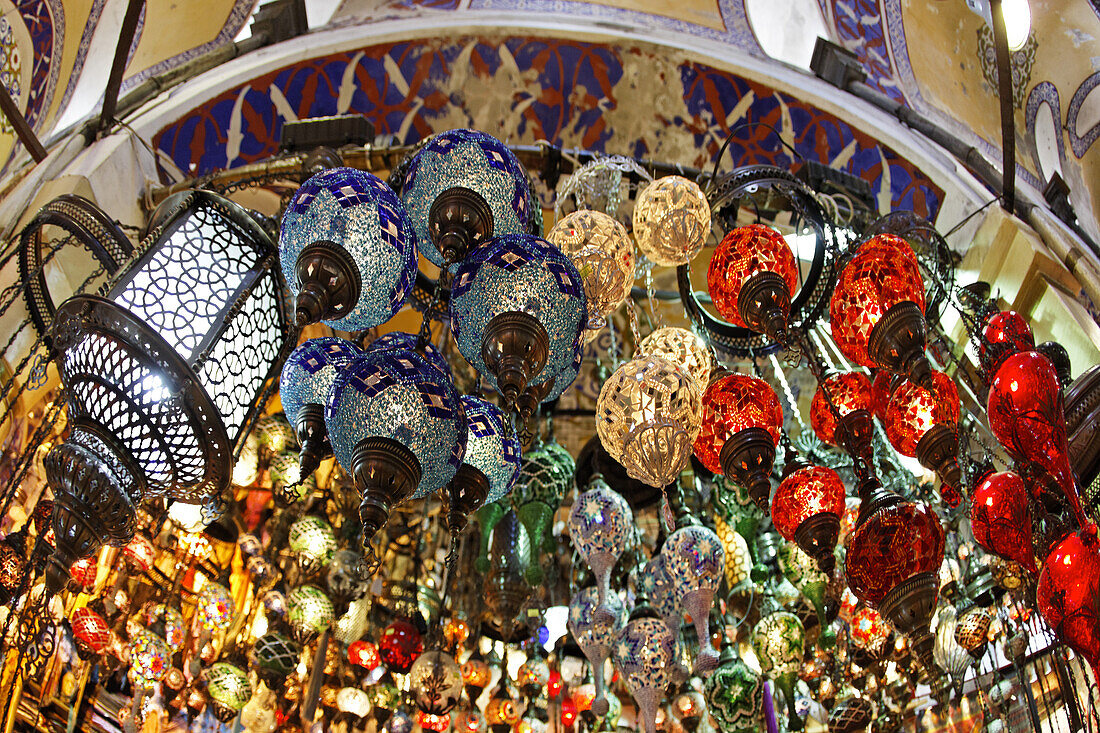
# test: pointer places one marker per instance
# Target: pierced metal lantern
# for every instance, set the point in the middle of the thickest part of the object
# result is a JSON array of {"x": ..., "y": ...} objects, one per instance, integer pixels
[
  {"x": 348, "y": 250},
  {"x": 518, "y": 310},
  {"x": 307, "y": 376},
  {"x": 162, "y": 375},
  {"x": 462, "y": 189}
]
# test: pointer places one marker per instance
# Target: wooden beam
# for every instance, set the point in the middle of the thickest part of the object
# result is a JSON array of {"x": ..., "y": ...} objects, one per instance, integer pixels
[
  {"x": 118, "y": 65},
  {"x": 22, "y": 128},
  {"x": 1004, "y": 91}
]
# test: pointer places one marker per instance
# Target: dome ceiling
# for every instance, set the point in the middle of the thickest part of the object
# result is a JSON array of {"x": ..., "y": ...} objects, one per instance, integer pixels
[{"x": 539, "y": 81}]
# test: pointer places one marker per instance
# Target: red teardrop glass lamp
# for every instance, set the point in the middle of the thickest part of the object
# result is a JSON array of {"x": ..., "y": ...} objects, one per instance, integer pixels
[
  {"x": 923, "y": 424},
  {"x": 1004, "y": 334},
  {"x": 1000, "y": 518},
  {"x": 877, "y": 310},
  {"x": 1068, "y": 594},
  {"x": 742, "y": 420},
  {"x": 806, "y": 510},
  {"x": 1027, "y": 416},
  {"x": 751, "y": 278},
  {"x": 851, "y": 395}
]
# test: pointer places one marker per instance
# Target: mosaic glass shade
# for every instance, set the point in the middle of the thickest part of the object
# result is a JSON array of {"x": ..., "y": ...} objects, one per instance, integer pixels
[
  {"x": 600, "y": 522},
  {"x": 868, "y": 630},
  {"x": 892, "y": 545},
  {"x": 567, "y": 376},
  {"x": 436, "y": 682},
  {"x": 604, "y": 255},
  {"x": 313, "y": 542},
  {"x": 518, "y": 273},
  {"x": 972, "y": 627},
  {"x": 216, "y": 607},
  {"x": 913, "y": 411},
  {"x": 738, "y": 558},
  {"x": 731, "y": 404},
  {"x": 695, "y": 563},
  {"x": 657, "y": 587},
  {"x": 274, "y": 656},
  {"x": 595, "y": 636},
  {"x": 171, "y": 619},
  {"x": 358, "y": 214},
  {"x": 848, "y": 391},
  {"x": 310, "y": 370},
  {"x": 488, "y": 447},
  {"x": 139, "y": 552},
  {"x": 647, "y": 417},
  {"x": 682, "y": 348},
  {"x": 1000, "y": 517},
  {"x": 735, "y": 697},
  {"x": 397, "y": 395},
  {"x": 473, "y": 160},
  {"x": 671, "y": 221},
  {"x": 879, "y": 277},
  {"x": 90, "y": 629},
  {"x": 309, "y": 612},
  {"x": 803, "y": 573},
  {"x": 881, "y": 391},
  {"x": 644, "y": 654},
  {"x": 778, "y": 641},
  {"x": 806, "y": 493},
  {"x": 228, "y": 688},
  {"x": 83, "y": 572},
  {"x": 364, "y": 653},
  {"x": 743, "y": 253},
  {"x": 276, "y": 433},
  {"x": 150, "y": 658},
  {"x": 402, "y": 341},
  {"x": 399, "y": 646}
]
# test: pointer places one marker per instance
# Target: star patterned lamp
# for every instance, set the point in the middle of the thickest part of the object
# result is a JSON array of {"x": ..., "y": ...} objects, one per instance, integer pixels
[
  {"x": 599, "y": 526},
  {"x": 228, "y": 688},
  {"x": 644, "y": 654},
  {"x": 348, "y": 250},
  {"x": 778, "y": 641},
  {"x": 307, "y": 377},
  {"x": 751, "y": 278},
  {"x": 604, "y": 255},
  {"x": 742, "y": 420},
  {"x": 462, "y": 189},
  {"x": 735, "y": 694},
  {"x": 695, "y": 563},
  {"x": 517, "y": 312}
]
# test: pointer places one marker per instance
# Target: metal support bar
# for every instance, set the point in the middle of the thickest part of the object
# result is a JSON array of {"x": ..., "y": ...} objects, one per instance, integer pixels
[
  {"x": 21, "y": 126},
  {"x": 118, "y": 65},
  {"x": 1004, "y": 93}
]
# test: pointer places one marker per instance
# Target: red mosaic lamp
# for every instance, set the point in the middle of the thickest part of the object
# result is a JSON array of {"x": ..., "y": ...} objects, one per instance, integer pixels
[
  {"x": 848, "y": 396},
  {"x": 1068, "y": 593},
  {"x": 399, "y": 646},
  {"x": 1004, "y": 334},
  {"x": 751, "y": 278},
  {"x": 1000, "y": 518},
  {"x": 1027, "y": 415},
  {"x": 806, "y": 510},
  {"x": 83, "y": 572},
  {"x": 91, "y": 632},
  {"x": 894, "y": 556},
  {"x": 923, "y": 424},
  {"x": 742, "y": 420},
  {"x": 882, "y": 387},
  {"x": 877, "y": 310}
]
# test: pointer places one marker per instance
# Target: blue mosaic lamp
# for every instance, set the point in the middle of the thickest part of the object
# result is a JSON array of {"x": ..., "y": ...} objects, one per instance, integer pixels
[
  {"x": 307, "y": 377},
  {"x": 348, "y": 250},
  {"x": 462, "y": 189},
  {"x": 402, "y": 341},
  {"x": 517, "y": 314},
  {"x": 398, "y": 427}
]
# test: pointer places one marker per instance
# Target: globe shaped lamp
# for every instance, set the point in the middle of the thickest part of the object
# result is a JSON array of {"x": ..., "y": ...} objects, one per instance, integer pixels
[
  {"x": 398, "y": 427},
  {"x": 972, "y": 629},
  {"x": 644, "y": 654},
  {"x": 490, "y": 449},
  {"x": 90, "y": 630},
  {"x": 877, "y": 309},
  {"x": 140, "y": 553},
  {"x": 307, "y": 377},
  {"x": 868, "y": 630},
  {"x": 779, "y": 640},
  {"x": 402, "y": 341},
  {"x": 215, "y": 610},
  {"x": 600, "y": 522},
  {"x": 228, "y": 688},
  {"x": 274, "y": 657},
  {"x": 806, "y": 510},
  {"x": 734, "y": 694},
  {"x": 1003, "y": 334},
  {"x": 923, "y": 423},
  {"x": 517, "y": 313},
  {"x": 695, "y": 563},
  {"x": 742, "y": 421},
  {"x": 461, "y": 189},
  {"x": 596, "y": 634},
  {"x": 347, "y": 249},
  {"x": 150, "y": 658},
  {"x": 690, "y": 707},
  {"x": 313, "y": 544},
  {"x": 309, "y": 612},
  {"x": 1000, "y": 518},
  {"x": 648, "y": 416},
  {"x": 841, "y": 413},
  {"x": 751, "y": 279},
  {"x": 893, "y": 558},
  {"x": 671, "y": 221},
  {"x": 400, "y": 645},
  {"x": 476, "y": 675},
  {"x": 353, "y": 701},
  {"x": 604, "y": 256},
  {"x": 682, "y": 348},
  {"x": 436, "y": 682}
]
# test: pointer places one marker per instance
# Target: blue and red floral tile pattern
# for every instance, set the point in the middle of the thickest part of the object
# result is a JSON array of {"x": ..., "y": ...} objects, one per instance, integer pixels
[{"x": 589, "y": 95}]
